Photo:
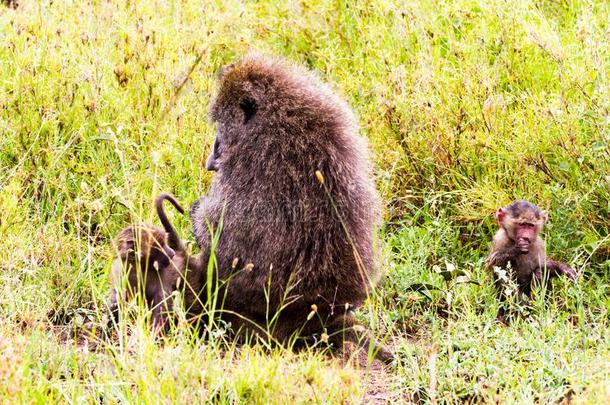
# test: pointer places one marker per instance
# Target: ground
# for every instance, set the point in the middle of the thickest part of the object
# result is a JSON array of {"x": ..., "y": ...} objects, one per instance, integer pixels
[{"x": 467, "y": 106}]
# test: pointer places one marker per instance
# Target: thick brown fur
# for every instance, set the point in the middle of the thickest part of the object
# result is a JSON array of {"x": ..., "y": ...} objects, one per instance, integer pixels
[
  {"x": 518, "y": 242},
  {"x": 283, "y": 247}
]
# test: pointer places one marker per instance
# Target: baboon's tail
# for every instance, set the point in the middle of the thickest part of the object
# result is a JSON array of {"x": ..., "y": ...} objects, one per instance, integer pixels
[{"x": 173, "y": 238}]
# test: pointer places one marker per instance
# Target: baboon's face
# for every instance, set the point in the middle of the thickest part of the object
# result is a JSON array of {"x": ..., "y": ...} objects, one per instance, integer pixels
[
  {"x": 234, "y": 111},
  {"x": 522, "y": 222},
  {"x": 228, "y": 132}
]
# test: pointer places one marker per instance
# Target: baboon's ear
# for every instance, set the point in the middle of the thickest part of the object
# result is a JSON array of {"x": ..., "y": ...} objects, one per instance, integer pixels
[
  {"x": 545, "y": 216},
  {"x": 248, "y": 106},
  {"x": 500, "y": 215}
]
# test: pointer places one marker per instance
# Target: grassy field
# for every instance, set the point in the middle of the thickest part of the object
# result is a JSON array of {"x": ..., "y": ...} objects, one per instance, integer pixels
[{"x": 467, "y": 104}]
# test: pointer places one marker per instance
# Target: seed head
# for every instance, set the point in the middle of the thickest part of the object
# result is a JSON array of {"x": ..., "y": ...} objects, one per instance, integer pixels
[
  {"x": 155, "y": 156},
  {"x": 320, "y": 176}
]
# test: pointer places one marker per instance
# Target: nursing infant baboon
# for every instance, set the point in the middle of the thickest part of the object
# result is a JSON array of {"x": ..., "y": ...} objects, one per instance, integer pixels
[
  {"x": 296, "y": 250},
  {"x": 518, "y": 242},
  {"x": 143, "y": 255},
  {"x": 153, "y": 260}
]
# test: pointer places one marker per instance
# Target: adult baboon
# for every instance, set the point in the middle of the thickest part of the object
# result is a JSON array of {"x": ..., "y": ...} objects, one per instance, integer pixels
[{"x": 299, "y": 209}]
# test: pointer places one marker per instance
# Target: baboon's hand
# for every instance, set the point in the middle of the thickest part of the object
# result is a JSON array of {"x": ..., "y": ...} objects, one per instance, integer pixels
[
  {"x": 561, "y": 269},
  {"x": 516, "y": 251},
  {"x": 568, "y": 272}
]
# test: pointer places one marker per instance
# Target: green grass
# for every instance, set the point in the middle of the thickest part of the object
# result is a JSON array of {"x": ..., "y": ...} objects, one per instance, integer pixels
[{"x": 467, "y": 104}]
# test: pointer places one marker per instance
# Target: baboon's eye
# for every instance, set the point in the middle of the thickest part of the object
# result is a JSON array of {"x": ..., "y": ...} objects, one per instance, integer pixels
[
  {"x": 248, "y": 106},
  {"x": 212, "y": 162},
  {"x": 216, "y": 150}
]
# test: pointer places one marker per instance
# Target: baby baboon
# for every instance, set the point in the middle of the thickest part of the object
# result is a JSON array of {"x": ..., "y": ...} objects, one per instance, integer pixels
[
  {"x": 298, "y": 206},
  {"x": 154, "y": 260},
  {"x": 518, "y": 242},
  {"x": 143, "y": 256}
]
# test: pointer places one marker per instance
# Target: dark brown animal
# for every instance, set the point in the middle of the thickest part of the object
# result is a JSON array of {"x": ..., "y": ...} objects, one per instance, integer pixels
[
  {"x": 10, "y": 3},
  {"x": 519, "y": 244},
  {"x": 295, "y": 254},
  {"x": 154, "y": 261},
  {"x": 143, "y": 255}
]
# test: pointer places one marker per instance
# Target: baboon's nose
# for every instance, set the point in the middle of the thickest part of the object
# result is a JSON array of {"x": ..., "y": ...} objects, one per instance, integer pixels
[{"x": 211, "y": 164}]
